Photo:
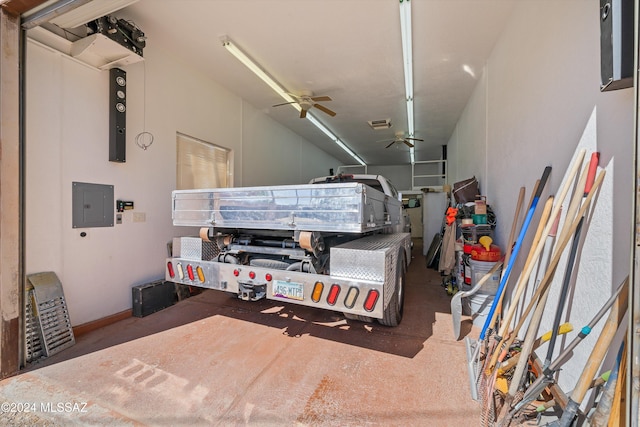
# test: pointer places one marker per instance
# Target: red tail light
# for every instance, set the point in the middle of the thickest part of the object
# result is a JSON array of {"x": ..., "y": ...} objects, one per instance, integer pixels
[
  {"x": 268, "y": 277},
  {"x": 190, "y": 272},
  {"x": 372, "y": 299},
  {"x": 252, "y": 274},
  {"x": 172, "y": 273},
  {"x": 334, "y": 291}
]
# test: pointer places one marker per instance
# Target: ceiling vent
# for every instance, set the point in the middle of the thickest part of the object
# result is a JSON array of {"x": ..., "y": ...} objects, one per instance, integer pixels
[{"x": 380, "y": 124}]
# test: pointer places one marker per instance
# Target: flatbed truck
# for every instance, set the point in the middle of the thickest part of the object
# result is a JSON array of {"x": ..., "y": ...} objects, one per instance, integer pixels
[{"x": 337, "y": 243}]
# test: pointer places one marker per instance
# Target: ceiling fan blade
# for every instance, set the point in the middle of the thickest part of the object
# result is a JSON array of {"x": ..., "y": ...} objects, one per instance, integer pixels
[
  {"x": 325, "y": 109},
  {"x": 408, "y": 143},
  {"x": 320, "y": 98},
  {"x": 284, "y": 103},
  {"x": 415, "y": 139},
  {"x": 392, "y": 142},
  {"x": 303, "y": 113}
]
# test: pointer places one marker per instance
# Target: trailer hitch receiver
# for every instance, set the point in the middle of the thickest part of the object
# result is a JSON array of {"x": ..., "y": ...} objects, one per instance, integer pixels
[{"x": 252, "y": 291}]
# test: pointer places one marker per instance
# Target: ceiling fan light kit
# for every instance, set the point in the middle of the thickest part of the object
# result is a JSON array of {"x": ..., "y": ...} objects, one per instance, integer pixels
[
  {"x": 306, "y": 100},
  {"x": 400, "y": 138},
  {"x": 259, "y": 71}
]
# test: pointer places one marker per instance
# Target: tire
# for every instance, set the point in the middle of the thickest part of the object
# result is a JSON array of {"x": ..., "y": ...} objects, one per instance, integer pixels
[{"x": 393, "y": 313}]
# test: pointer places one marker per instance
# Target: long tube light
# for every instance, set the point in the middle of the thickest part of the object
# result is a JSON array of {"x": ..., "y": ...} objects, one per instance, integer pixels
[
  {"x": 334, "y": 138},
  {"x": 257, "y": 70},
  {"x": 265, "y": 77},
  {"x": 407, "y": 57}
]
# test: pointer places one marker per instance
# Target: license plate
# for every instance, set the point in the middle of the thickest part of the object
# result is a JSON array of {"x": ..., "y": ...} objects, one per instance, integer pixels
[{"x": 288, "y": 290}]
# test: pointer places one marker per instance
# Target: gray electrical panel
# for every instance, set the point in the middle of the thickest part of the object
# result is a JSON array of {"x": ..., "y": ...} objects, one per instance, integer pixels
[{"x": 93, "y": 205}]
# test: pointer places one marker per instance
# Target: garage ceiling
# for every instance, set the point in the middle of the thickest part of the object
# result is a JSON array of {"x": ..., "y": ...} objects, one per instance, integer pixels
[{"x": 350, "y": 50}]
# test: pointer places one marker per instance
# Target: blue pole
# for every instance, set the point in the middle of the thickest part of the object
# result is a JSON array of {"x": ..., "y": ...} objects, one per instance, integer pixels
[{"x": 516, "y": 249}]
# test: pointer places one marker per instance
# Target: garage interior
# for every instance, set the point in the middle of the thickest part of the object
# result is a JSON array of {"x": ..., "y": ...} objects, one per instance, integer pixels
[{"x": 499, "y": 90}]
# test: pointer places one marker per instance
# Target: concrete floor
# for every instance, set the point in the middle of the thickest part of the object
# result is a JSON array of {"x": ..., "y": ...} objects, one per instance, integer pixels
[{"x": 215, "y": 360}]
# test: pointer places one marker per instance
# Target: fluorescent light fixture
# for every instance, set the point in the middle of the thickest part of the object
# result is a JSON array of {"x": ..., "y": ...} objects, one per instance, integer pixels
[
  {"x": 258, "y": 71},
  {"x": 334, "y": 138},
  {"x": 411, "y": 128},
  {"x": 407, "y": 58}
]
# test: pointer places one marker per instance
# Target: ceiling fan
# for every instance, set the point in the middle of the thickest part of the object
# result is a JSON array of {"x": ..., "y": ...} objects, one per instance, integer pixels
[
  {"x": 306, "y": 100},
  {"x": 401, "y": 138}
]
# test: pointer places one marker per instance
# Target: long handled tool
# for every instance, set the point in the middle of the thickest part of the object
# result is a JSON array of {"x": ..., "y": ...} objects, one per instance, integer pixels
[
  {"x": 502, "y": 368},
  {"x": 597, "y": 355},
  {"x": 539, "y": 296},
  {"x": 548, "y": 245},
  {"x": 488, "y": 377},
  {"x": 548, "y": 374},
  {"x": 510, "y": 241},
  {"x": 597, "y": 382},
  {"x": 516, "y": 249},
  {"x": 519, "y": 375},
  {"x": 497, "y": 383},
  {"x": 524, "y": 277},
  {"x": 543, "y": 219},
  {"x": 605, "y": 412},
  {"x": 591, "y": 175},
  {"x": 473, "y": 349}
]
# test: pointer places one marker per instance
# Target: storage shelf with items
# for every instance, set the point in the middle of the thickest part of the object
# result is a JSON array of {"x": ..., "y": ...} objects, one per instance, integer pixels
[{"x": 470, "y": 224}]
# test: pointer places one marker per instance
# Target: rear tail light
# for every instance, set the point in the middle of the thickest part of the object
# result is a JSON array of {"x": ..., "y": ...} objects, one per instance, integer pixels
[
  {"x": 352, "y": 295},
  {"x": 317, "y": 292},
  {"x": 252, "y": 274},
  {"x": 268, "y": 277},
  {"x": 172, "y": 273},
  {"x": 190, "y": 272},
  {"x": 334, "y": 291},
  {"x": 236, "y": 272},
  {"x": 180, "y": 271},
  {"x": 371, "y": 300},
  {"x": 200, "y": 273}
]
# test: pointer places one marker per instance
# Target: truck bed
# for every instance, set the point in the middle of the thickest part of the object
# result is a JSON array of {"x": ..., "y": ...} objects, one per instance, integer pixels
[{"x": 338, "y": 207}]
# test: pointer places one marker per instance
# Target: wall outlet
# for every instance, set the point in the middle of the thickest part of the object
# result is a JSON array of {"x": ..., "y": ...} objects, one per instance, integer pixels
[{"x": 139, "y": 217}]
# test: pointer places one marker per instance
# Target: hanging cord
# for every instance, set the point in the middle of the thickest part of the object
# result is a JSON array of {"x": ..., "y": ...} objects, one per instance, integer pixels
[{"x": 144, "y": 139}]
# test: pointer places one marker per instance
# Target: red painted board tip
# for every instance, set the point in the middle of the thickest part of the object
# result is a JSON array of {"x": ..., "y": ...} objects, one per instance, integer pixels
[
  {"x": 591, "y": 175},
  {"x": 556, "y": 222}
]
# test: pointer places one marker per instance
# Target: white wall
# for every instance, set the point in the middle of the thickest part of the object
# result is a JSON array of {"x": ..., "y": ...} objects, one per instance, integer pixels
[
  {"x": 67, "y": 140},
  {"x": 532, "y": 108},
  {"x": 275, "y": 155}
]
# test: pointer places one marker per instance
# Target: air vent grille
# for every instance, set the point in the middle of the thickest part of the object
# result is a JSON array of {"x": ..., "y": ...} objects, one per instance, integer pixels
[{"x": 380, "y": 124}]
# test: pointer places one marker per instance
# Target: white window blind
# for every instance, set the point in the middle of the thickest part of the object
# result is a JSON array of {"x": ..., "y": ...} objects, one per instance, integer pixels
[{"x": 201, "y": 164}]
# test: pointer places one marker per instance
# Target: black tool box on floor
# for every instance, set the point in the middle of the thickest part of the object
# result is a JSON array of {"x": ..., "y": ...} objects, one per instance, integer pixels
[{"x": 152, "y": 297}]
